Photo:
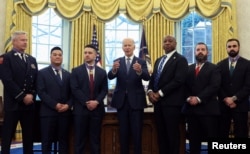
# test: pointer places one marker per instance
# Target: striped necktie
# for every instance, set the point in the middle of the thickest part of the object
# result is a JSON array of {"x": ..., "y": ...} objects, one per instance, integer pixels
[{"x": 158, "y": 74}]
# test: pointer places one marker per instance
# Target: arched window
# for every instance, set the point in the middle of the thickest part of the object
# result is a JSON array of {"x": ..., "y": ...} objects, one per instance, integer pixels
[
  {"x": 194, "y": 29},
  {"x": 115, "y": 31},
  {"x": 49, "y": 30}
]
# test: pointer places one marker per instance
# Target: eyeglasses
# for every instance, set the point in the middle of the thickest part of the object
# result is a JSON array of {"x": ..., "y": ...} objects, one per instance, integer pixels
[{"x": 234, "y": 46}]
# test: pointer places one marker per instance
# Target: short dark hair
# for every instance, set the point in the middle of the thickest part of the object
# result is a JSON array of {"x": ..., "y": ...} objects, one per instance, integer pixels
[
  {"x": 202, "y": 43},
  {"x": 55, "y": 48},
  {"x": 234, "y": 39},
  {"x": 91, "y": 46}
]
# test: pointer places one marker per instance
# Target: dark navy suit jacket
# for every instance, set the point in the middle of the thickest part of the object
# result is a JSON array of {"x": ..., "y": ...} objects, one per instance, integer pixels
[
  {"x": 171, "y": 81},
  {"x": 238, "y": 84},
  {"x": 18, "y": 78},
  {"x": 80, "y": 88},
  {"x": 51, "y": 91},
  {"x": 206, "y": 87},
  {"x": 130, "y": 84}
]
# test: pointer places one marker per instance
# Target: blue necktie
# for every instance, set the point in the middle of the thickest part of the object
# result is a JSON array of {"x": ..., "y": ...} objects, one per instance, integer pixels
[{"x": 158, "y": 74}]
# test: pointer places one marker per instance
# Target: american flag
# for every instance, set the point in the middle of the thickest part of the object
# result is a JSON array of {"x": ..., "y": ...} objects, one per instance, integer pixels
[
  {"x": 94, "y": 42},
  {"x": 144, "y": 54}
]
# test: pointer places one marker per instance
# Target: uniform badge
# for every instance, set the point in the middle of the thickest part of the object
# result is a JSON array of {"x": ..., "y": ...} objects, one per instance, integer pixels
[{"x": 33, "y": 66}]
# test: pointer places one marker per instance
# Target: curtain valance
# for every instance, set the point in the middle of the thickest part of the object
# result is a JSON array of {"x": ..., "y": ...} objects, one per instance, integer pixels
[{"x": 137, "y": 10}]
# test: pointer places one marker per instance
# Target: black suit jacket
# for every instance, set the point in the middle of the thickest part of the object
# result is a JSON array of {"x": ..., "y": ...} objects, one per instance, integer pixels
[
  {"x": 129, "y": 83},
  {"x": 51, "y": 92},
  {"x": 19, "y": 79},
  {"x": 205, "y": 86},
  {"x": 172, "y": 80},
  {"x": 79, "y": 82},
  {"x": 238, "y": 84}
]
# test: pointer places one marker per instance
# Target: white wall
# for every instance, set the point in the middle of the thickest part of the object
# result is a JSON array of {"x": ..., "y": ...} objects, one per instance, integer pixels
[
  {"x": 243, "y": 16},
  {"x": 2, "y": 24},
  {"x": 2, "y": 28}
]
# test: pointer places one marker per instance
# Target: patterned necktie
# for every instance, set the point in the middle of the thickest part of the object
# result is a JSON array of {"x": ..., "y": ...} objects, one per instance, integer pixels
[
  {"x": 91, "y": 81},
  {"x": 128, "y": 64},
  {"x": 232, "y": 66},
  {"x": 158, "y": 74}
]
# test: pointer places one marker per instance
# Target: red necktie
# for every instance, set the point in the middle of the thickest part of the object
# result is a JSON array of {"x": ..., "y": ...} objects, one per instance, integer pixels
[
  {"x": 197, "y": 70},
  {"x": 91, "y": 82}
]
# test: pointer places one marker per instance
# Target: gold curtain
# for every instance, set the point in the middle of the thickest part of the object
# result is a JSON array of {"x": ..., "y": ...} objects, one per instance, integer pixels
[
  {"x": 154, "y": 33},
  {"x": 16, "y": 20},
  {"x": 154, "y": 14},
  {"x": 82, "y": 31},
  {"x": 224, "y": 27}
]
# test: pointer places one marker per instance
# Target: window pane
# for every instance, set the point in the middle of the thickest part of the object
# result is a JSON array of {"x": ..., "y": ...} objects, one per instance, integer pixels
[
  {"x": 46, "y": 33},
  {"x": 194, "y": 29},
  {"x": 115, "y": 31}
]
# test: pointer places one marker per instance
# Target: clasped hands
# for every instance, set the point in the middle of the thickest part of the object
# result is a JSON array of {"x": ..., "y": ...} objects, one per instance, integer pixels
[
  {"x": 193, "y": 100},
  {"x": 230, "y": 102},
  {"x": 92, "y": 104},
  {"x": 62, "y": 107},
  {"x": 136, "y": 66},
  {"x": 153, "y": 97}
]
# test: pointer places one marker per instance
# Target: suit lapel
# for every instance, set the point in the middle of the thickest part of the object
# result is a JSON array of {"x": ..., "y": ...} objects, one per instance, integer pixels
[
  {"x": 170, "y": 60},
  {"x": 51, "y": 71},
  {"x": 18, "y": 60}
]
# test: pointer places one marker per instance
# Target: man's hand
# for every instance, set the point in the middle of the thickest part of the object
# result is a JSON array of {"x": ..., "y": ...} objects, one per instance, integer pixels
[
  {"x": 137, "y": 67},
  {"x": 116, "y": 66},
  {"x": 153, "y": 97},
  {"x": 92, "y": 104},
  {"x": 28, "y": 99},
  {"x": 193, "y": 100}
]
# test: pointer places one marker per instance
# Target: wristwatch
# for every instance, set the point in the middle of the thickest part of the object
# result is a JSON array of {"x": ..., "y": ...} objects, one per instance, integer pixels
[{"x": 234, "y": 98}]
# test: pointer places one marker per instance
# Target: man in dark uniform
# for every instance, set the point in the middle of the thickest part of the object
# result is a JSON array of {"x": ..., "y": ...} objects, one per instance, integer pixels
[{"x": 19, "y": 77}]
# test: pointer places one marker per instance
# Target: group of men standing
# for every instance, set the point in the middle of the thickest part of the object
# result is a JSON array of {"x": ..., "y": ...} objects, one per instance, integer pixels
[{"x": 209, "y": 96}]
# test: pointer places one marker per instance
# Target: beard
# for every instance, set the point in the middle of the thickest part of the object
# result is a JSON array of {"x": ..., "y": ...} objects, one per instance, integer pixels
[
  {"x": 200, "y": 58},
  {"x": 233, "y": 53}
]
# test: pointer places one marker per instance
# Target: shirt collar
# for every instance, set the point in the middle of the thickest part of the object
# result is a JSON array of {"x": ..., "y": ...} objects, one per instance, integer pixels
[
  {"x": 90, "y": 67},
  {"x": 56, "y": 67},
  {"x": 170, "y": 53},
  {"x": 131, "y": 57},
  {"x": 16, "y": 50},
  {"x": 234, "y": 59}
]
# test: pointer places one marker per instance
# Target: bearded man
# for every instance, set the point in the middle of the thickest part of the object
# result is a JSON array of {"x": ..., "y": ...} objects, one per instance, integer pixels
[
  {"x": 234, "y": 92},
  {"x": 202, "y": 106}
]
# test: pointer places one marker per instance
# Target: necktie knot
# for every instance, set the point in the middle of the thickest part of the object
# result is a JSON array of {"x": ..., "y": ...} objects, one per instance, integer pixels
[
  {"x": 197, "y": 70},
  {"x": 58, "y": 72},
  {"x": 90, "y": 67}
]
